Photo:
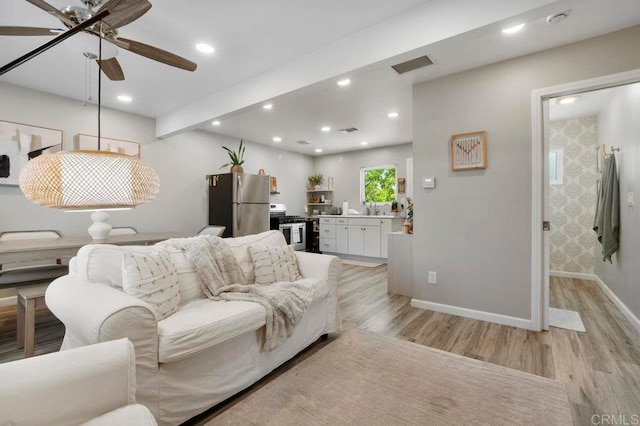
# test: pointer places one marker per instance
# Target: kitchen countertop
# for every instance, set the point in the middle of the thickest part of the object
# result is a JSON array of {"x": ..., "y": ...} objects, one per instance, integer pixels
[{"x": 362, "y": 216}]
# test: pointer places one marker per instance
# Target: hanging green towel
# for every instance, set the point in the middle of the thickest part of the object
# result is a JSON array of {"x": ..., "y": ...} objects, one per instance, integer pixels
[{"x": 607, "y": 221}]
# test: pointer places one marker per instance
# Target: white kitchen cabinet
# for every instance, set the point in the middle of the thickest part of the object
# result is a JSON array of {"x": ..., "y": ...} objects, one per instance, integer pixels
[
  {"x": 356, "y": 240},
  {"x": 358, "y": 236},
  {"x": 385, "y": 229},
  {"x": 328, "y": 234},
  {"x": 342, "y": 235},
  {"x": 371, "y": 240}
]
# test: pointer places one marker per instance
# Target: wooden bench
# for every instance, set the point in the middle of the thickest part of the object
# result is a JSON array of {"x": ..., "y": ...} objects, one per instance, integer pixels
[{"x": 30, "y": 298}]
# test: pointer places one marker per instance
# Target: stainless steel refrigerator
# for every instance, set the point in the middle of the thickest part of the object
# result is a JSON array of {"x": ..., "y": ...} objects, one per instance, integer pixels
[{"x": 240, "y": 202}]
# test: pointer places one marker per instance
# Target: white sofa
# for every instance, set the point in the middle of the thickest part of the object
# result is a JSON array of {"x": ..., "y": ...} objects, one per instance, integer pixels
[
  {"x": 94, "y": 385},
  {"x": 206, "y": 351}
]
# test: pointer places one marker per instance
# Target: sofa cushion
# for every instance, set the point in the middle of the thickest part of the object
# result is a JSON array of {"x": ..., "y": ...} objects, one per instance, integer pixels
[
  {"x": 152, "y": 278},
  {"x": 102, "y": 263},
  {"x": 204, "y": 323},
  {"x": 274, "y": 263},
  {"x": 240, "y": 248}
]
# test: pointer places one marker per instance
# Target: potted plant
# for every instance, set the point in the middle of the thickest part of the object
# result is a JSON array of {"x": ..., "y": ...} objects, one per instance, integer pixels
[
  {"x": 408, "y": 220},
  {"x": 394, "y": 206},
  {"x": 236, "y": 158},
  {"x": 315, "y": 181}
]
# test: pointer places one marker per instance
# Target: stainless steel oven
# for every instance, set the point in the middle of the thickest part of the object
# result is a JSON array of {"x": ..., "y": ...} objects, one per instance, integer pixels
[{"x": 295, "y": 234}]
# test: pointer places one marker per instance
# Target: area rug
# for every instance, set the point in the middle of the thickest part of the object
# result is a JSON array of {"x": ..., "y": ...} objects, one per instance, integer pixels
[
  {"x": 361, "y": 263},
  {"x": 563, "y": 318},
  {"x": 367, "y": 379}
]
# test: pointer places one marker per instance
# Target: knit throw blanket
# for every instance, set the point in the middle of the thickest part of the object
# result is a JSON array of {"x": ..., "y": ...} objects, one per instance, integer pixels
[{"x": 222, "y": 279}]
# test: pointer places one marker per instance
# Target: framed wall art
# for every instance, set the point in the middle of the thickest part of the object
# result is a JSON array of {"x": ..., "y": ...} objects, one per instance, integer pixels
[
  {"x": 469, "y": 151},
  {"x": 90, "y": 143},
  {"x": 20, "y": 143}
]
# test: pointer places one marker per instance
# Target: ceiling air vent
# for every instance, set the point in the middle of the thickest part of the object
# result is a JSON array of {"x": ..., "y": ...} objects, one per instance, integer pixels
[
  {"x": 303, "y": 142},
  {"x": 413, "y": 64},
  {"x": 348, "y": 130}
]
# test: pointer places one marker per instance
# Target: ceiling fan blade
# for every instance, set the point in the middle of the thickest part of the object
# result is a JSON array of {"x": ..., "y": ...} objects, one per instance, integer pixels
[
  {"x": 156, "y": 54},
  {"x": 124, "y": 12},
  {"x": 51, "y": 10},
  {"x": 48, "y": 45},
  {"x": 112, "y": 69},
  {"x": 29, "y": 31}
]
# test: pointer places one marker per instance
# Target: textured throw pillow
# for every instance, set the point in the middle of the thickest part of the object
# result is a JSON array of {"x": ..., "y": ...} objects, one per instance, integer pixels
[
  {"x": 274, "y": 263},
  {"x": 152, "y": 278}
]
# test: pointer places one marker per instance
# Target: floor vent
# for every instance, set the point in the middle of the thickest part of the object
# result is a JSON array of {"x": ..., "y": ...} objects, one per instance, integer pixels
[
  {"x": 348, "y": 130},
  {"x": 413, "y": 64}
]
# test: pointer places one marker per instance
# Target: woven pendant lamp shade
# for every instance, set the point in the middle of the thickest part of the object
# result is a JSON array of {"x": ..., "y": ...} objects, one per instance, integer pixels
[{"x": 88, "y": 180}]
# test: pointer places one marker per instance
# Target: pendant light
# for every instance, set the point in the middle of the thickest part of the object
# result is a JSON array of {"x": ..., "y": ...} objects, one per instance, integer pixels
[{"x": 89, "y": 180}]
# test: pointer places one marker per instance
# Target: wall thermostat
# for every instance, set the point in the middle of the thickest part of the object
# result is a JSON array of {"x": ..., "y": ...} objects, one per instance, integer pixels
[{"x": 429, "y": 182}]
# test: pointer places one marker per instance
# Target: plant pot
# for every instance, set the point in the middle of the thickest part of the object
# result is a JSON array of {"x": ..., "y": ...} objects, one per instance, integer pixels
[
  {"x": 407, "y": 228},
  {"x": 237, "y": 169}
]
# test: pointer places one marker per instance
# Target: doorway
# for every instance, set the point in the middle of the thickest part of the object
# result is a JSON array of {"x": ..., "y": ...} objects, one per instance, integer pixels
[{"x": 542, "y": 160}]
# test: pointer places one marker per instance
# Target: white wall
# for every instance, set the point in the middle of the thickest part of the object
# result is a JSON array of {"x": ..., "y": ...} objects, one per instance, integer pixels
[
  {"x": 474, "y": 229},
  {"x": 618, "y": 125},
  {"x": 345, "y": 169},
  {"x": 181, "y": 162}
]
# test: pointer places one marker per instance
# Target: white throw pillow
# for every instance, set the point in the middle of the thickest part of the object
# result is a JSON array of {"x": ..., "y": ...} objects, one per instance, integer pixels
[
  {"x": 274, "y": 263},
  {"x": 152, "y": 278},
  {"x": 188, "y": 278}
]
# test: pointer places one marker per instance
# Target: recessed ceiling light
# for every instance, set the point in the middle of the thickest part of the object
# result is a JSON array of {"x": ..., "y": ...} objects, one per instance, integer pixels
[
  {"x": 277, "y": 139},
  {"x": 124, "y": 98},
  {"x": 567, "y": 100},
  {"x": 364, "y": 143},
  {"x": 326, "y": 129},
  {"x": 344, "y": 82},
  {"x": 215, "y": 123},
  {"x": 557, "y": 18},
  {"x": 318, "y": 150},
  {"x": 204, "y": 48},
  {"x": 513, "y": 29},
  {"x": 267, "y": 106},
  {"x": 393, "y": 115}
]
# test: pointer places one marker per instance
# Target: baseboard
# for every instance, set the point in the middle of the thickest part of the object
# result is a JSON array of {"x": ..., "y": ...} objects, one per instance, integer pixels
[
  {"x": 576, "y": 275},
  {"x": 605, "y": 288},
  {"x": 8, "y": 301},
  {"x": 616, "y": 301},
  {"x": 473, "y": 314}
]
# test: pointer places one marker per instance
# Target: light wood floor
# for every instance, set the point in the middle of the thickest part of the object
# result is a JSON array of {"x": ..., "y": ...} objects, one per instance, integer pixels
[{"x": 600, "y": 368}]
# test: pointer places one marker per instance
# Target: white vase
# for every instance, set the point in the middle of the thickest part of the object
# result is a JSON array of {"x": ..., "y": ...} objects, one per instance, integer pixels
[{"x": 100, "y": 229}]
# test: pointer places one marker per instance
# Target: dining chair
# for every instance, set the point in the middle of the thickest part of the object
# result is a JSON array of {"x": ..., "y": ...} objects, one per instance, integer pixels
[
  {"x": 123, "y": 230},
  {"x": 214, "y": 230}
]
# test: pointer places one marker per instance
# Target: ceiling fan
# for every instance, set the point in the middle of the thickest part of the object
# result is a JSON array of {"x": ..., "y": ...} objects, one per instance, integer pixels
[{"x": 103, "y": 22}]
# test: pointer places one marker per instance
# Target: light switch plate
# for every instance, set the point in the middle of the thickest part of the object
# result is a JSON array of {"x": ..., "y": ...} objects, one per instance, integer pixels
[
  {"x": 429, "y": 182},
  {"x": 630, "y": 199}
]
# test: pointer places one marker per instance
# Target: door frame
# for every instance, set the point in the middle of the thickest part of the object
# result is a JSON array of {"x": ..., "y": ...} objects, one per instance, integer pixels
[{"x": 539, "y": 257}]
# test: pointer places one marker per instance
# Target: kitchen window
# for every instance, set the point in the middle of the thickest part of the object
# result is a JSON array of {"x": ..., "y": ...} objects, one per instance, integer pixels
[{"x": 378, "y": 184}]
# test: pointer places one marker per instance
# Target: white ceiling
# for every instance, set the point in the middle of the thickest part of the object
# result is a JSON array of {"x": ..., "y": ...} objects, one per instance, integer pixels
[
  {"x": 291, "y": 53},
  {"x": 588, "y": 104}
]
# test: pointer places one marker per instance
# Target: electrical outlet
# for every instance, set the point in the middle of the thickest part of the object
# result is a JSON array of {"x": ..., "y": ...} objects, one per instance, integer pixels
[{"x": 433, "y": 278}]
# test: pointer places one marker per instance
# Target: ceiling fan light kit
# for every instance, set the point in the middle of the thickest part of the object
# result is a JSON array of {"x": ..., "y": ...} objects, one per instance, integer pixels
[{"x": 93, "y": 180}]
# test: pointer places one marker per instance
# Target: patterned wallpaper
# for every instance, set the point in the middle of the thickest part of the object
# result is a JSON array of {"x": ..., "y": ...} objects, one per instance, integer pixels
[{"x": 573, "y": 203}]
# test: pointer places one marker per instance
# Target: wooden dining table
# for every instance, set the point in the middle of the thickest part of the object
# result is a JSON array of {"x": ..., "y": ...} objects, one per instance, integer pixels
[{"x": 44, "y": 249}]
